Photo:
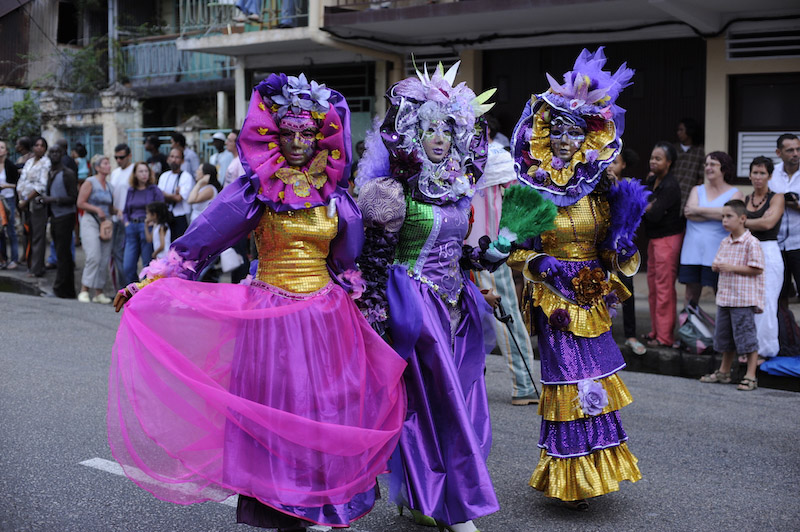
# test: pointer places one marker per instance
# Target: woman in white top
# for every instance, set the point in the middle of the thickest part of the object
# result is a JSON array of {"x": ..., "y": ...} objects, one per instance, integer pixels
[
  {"x": 704, "y": 230},
  {"x": 205, "y": 189}
]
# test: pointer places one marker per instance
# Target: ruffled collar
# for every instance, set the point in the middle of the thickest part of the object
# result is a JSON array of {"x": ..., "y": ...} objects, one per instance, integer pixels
[
  {"x": 566, "y": 183},
  {"x": 284, "y": 187}
]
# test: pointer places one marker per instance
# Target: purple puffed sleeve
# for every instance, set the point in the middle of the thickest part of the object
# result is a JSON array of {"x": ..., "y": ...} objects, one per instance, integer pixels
[
  {"x": 230, "y": 217},
  {"x": 347, "y": 244}
]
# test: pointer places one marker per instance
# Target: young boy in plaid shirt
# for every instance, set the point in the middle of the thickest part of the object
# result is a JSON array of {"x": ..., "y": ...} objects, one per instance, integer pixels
[{"x": 740, "y": 295}]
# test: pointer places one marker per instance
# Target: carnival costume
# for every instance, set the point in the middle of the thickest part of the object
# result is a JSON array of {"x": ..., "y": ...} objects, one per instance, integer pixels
[
  {"x": 584, "y": 450},
  {"x": 278, "y": 390},
  {"x": 417, "y": 215}
]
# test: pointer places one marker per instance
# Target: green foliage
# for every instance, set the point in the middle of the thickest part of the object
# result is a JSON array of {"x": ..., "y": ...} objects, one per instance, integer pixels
[
  {"x": 526, "y": 212},
  {"x": 25, "y": 120},
  {"x": 86, "y": 70}
]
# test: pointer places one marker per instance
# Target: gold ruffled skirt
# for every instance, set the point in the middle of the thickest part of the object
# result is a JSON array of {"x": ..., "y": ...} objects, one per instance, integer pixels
[{"x": 591, "y": 475}]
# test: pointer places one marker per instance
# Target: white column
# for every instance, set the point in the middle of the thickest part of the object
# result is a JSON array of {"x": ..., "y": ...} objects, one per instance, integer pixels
[
  {"x": 222, "y": 109},
  {"x": 241, "y": 97}
]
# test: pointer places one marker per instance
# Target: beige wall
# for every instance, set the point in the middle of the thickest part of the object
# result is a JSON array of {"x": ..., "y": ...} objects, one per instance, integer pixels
[{"x": 718, "y": 68}]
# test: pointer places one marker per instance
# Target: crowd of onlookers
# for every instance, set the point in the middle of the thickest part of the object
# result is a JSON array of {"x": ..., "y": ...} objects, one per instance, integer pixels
[
  {"x": 684, "y": 229},
  {"x": 126, "y": 216},
  {"x": 122, "y": 217}
]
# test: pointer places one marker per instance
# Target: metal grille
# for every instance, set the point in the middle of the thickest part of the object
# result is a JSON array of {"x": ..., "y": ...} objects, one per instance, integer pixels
[
  {"x": 432, "y": 60},
  {"x": 764, "y": 45},
  {"x": 751, "y": 144}
]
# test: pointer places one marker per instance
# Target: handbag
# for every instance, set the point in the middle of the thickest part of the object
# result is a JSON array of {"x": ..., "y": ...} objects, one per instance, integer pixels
[
  {"x": 106, "y": 227},
  {"x": 695, "y": 330}
]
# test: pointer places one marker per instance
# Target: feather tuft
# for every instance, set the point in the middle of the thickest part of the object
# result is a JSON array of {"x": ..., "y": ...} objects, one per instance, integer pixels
[{"x": 526, "y": 213}]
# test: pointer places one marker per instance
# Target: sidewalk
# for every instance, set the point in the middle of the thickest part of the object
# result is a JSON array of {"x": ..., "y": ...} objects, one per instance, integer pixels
[{"x": 668, "y": 361}]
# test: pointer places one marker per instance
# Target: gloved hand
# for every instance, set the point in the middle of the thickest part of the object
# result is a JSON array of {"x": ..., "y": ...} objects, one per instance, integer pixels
[
  {"x": 498, "y": 250},
  {"x": 625, "y": 248},
  {"x": 549, "y": 270}
]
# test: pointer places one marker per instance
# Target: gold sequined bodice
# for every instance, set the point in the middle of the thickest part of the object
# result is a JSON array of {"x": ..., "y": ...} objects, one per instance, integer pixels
[
  {"x": 293, "y": 247},
  {"x": 579, "y": 229}
]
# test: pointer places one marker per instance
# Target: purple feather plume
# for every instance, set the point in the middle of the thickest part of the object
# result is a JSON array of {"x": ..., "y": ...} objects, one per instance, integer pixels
[{"x": 627, "y": 200}]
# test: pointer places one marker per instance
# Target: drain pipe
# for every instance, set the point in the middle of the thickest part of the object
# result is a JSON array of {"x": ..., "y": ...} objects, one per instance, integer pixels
[{"x": 316, "y": 16}]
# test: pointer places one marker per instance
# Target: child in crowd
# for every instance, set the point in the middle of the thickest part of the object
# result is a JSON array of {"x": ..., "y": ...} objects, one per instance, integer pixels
[
  {"x": 740, "y": 295},
  {"x": 156, "y": 228}
]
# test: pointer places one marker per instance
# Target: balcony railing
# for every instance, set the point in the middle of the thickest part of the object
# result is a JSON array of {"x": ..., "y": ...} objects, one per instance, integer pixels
[
  {"x": 201, "y": 17},
  {"x": 150, "y": 61}
]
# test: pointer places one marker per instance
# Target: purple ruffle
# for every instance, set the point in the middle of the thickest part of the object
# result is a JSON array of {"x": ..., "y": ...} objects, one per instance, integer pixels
[{"x": 565, "y": 439}]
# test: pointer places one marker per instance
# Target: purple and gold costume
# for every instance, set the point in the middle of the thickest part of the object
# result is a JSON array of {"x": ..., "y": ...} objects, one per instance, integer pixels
[{"x": 584, "y": 451}]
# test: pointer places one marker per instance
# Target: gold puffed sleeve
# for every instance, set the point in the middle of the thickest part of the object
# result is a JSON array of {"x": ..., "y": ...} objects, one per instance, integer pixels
[{"x": 519, "y": 259}]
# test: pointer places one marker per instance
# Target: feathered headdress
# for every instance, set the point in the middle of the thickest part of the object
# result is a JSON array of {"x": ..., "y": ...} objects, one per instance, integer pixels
[
  {"x": 587, "y": 97},
  {"x": 415, "y": 103}
]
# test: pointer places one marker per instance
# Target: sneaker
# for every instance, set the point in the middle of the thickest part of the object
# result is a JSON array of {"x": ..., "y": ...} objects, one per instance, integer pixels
[
  {"x": 11, "y": 265},
  {"x": 83, "y": 297},
  {"x": 239, "y": 17},
  {"x": 522, "y": 401},
  {"x": 102, "y": 299}
]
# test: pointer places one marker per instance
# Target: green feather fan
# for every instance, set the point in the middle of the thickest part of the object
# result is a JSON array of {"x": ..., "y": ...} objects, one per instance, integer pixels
[{"x": 527, "y": 213}]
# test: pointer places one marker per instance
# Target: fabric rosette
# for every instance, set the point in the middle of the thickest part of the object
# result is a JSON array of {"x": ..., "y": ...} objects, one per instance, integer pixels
[
  {"x": 592, "y": 396},
  {"x": 559, "y": 319},
  {"x": 590, "y": 285}
]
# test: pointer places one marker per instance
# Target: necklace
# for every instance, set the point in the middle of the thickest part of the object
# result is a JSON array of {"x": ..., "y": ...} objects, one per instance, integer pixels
[{"x": 760, "y": 203}]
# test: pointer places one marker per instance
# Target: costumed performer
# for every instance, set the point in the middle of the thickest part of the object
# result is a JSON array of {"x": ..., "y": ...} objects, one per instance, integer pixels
[
  {"x": 564, "y": 141},
  {"x": 279, "y": 390},
  {"x": 417, "y": 178}
]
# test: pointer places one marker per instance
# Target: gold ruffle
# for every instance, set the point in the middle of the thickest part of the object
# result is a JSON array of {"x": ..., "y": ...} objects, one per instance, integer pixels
[
  {"x": 559, "y": 402},
  {"x": 540, "y": 147},
  {"x": 587, "y": 323},
  {"x": 598, "y": 473},
  {"x": 518, "y": 259}
]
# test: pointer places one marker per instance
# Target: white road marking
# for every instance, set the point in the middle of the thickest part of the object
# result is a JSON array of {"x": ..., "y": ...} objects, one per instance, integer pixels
[{"x": 109, "y": 466}]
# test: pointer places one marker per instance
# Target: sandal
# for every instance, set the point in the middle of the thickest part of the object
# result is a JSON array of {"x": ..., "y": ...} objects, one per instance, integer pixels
[
  {"x": 747, "y": 384},
  {"x": 636, "y": 346},
  {"x": 718, "y": 377},
  {"x": 656, "y": 343}
]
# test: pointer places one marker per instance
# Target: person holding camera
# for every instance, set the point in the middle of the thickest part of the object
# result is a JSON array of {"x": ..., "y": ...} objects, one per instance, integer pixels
[{"x": 786, "y": 180}]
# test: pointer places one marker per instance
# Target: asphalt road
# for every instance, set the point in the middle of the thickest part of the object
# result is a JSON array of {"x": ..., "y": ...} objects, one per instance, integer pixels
[{"x": 713, "y": 458}]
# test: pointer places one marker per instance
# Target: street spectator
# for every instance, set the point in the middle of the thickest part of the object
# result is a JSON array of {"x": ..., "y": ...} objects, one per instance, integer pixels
[
  {"x": 157, "y": 160},
  {"x": 224, "y": 156},
  {"x": 627, "y": 158},
  {"x": 764, "y": 213},
  {"x": 23, "y": 147},
  {"x": 664, "y": 226},
  {"x": 79, "y": 156},
  {"x": 688, "y": 166},
  {"x": 32, "y": 184},
  {"x": 740, "y": 296},
  {"x": 142, "y": 191},
  {"x": 176, "y": 184},
  {"x": 61, "y": 197},
  {"x": 205, "y": 189},
  {"x": 190, "y": 159},
  {"x": 9, "y": 175},
  {"x": 66, "y": 160},
  {"x": 96, "y": 199},
  {"x": 120, "y": 180},
  {"x": 487, "y": 204},
  {"x": 704, "y": 231},
  {"x": 157, "y": 222},
  {"x": 786, "y": 181},
  {"x": 233, "y": 173}
]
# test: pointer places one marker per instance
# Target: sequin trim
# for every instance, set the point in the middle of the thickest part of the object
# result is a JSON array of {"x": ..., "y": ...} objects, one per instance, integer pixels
[
  {"x": 559, "y": 401},
  {"x": 291, "y": 295},
  {"x": 435, "y": 287}
]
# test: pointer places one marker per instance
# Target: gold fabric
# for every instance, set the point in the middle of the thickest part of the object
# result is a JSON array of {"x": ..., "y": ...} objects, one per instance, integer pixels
[
  {"x": 518, "y": 259},
  {"x": 540, "y": 147},
  {"x": 293, "y": 247},
  {"x": 588, "y": 323},
  {"x": 598, "y": 473},
  {"x": 560, "y": 402},
  {"x": 580, "y": 228}
]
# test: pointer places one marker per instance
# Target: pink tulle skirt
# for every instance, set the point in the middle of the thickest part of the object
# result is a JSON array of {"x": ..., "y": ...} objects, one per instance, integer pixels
[{"x": 218, "y": 389}]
